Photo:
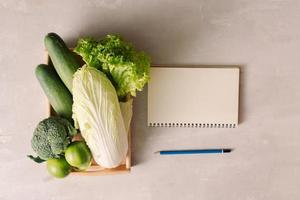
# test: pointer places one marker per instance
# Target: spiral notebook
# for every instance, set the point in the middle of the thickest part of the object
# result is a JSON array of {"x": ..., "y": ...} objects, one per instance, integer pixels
[{"x": 204, "y": 97}]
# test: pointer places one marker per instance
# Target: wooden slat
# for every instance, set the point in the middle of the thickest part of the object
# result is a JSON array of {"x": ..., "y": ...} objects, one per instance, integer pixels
[{"x": 118, "y": 170}]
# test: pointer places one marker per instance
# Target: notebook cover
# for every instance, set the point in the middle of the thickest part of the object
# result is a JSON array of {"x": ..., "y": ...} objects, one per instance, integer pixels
[{"x": 193, "y": 97}]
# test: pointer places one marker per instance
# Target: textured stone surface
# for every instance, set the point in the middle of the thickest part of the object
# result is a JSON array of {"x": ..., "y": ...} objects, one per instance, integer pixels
[{"x": 261, "y": 36}]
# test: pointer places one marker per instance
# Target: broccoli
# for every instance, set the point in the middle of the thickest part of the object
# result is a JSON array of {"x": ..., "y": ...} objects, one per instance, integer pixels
[{"x": 51, "y": 138}]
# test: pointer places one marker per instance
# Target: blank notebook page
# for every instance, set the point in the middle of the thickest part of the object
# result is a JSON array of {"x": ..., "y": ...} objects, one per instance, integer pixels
[{"x": 193, "y": 97}]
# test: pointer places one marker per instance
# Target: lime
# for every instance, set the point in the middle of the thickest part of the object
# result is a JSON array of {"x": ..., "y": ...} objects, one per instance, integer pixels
[
  {"x": 78, "y": 155},
  {"x": 58, "y": 167}
]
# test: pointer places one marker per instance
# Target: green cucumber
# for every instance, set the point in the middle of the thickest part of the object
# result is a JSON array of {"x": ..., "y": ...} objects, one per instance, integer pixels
[
  {"x": 58, "y": 95},
  {"x": 64, "y": 60}
]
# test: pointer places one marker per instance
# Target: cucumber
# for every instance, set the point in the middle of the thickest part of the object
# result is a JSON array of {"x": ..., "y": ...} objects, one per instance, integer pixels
[
  {"x": 64, "y": 60},
  {"x": 58, "y": 95}
]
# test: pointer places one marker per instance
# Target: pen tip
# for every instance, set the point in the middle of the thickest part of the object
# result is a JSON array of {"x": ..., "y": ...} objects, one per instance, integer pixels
[{"x": 227, "y": 150}]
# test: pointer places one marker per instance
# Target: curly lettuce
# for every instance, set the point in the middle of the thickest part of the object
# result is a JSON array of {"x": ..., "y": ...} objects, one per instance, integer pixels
[{"x": 127, "y": 69}]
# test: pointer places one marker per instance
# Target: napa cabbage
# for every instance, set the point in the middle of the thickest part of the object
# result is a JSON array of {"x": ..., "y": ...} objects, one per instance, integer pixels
[{"x": 97, "y": 113}]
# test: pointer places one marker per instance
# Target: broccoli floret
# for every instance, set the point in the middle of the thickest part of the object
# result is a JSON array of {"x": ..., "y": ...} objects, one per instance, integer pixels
[{"x": 51, "y": 137}]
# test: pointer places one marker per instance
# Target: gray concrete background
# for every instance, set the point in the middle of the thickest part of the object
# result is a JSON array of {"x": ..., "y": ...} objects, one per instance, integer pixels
[{"x": 261, "y": 36}]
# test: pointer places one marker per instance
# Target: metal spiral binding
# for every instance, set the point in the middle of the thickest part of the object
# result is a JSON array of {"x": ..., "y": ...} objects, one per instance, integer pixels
[{"x": 193, "y": 125}]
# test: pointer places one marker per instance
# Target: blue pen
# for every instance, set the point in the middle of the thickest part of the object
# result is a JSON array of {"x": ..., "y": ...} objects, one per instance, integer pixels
[{"x": 195, "y": 151}]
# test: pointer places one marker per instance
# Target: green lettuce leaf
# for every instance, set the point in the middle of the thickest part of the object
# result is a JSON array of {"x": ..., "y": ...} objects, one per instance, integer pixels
[{"x": 127, "y": 69}]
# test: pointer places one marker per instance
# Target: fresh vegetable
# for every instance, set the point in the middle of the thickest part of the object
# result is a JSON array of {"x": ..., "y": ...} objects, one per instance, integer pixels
[
  {"x": 127, "y": 69},
  {"x": 58, "y": 167},
  {"x": 51, "y": 137},
  {"x": 36, "y": 159},
  {"x": 78, "y": 155},
  {"x": 96, "y": 111},
  {"x": 63, "y": 59},
  {"x": 126, "y": 110},
  {"x": 58, "y": 95}
]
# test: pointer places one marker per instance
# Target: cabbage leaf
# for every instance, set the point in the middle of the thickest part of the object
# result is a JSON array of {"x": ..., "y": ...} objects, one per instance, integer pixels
[{"x": 126, "y": 110}]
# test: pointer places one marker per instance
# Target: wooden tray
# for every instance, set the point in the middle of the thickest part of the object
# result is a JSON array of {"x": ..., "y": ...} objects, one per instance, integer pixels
[{"x": 95, "y": 169}]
